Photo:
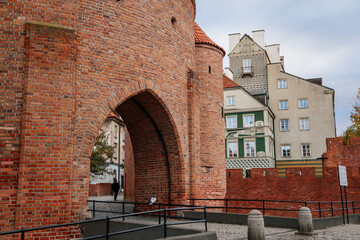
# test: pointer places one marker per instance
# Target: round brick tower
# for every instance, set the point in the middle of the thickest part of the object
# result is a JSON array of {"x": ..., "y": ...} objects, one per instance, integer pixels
[{"x": 209, "y": 68}]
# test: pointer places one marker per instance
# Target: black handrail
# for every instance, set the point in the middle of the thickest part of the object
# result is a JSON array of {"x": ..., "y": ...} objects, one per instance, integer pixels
[
  {"x": 264, "y": 209},
  {"x": 107, "y": 232}
]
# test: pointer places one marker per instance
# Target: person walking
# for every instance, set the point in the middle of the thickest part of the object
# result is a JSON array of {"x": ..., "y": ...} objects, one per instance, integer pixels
[{"x": 115, "y": 187}]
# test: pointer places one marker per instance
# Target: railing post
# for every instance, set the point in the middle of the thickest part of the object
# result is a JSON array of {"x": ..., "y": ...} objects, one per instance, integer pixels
[
  {"x": 165, "y": 234},
  {"x": 93, "y": 208},
  {"x": 263, "y": 207},
  {"x": 226, "y": 204},
  {"x": 205, "y": 219},
  {"x": 332, "y": 209},
  {"x": 353, "y": 205},
  {"x": 123, "y": 210},
  {"x": 22, "y": 234},
  {"x": 159, "y": 214},
  {"x": 107, "y": 227},
  {"x": 305, "y": 204},
  {"x": 319, "y": 209}
]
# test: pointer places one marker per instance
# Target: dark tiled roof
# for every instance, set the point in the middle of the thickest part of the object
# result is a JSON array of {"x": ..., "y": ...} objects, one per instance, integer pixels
[
  {"x": 228, "y": 83},
  {"x": 202, "y": 38}
]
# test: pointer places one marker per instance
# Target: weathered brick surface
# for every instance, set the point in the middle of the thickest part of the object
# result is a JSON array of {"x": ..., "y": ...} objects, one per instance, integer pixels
[
  {"x": 67, "y": 64},
  {"x": 338, "y": 153}
]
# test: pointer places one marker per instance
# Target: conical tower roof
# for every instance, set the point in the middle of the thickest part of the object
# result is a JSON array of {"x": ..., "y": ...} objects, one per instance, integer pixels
[{"x": 202, "y": 38}]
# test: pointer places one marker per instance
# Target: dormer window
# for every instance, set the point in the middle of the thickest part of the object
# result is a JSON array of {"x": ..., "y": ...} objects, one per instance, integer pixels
[{"x": 247, "y": 68}]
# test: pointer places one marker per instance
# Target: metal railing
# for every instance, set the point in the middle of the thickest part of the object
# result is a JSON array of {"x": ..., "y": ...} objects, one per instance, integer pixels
[
  {"x": 263, "y": 205},
  {"x": 163, "y": 213}
]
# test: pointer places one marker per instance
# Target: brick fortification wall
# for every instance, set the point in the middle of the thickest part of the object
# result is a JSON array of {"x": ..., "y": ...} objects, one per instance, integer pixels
[
  {"x": 100, "y": 189},
  {"x": 300, "y": 184},
  {"x": 67, "y": 65},
  {"x": 340, "y": 154}
]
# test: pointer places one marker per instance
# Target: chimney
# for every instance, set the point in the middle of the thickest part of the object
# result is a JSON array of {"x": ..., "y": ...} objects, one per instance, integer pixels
[
  {"x": 259, "y": 37},
  {"x": 234, "y": 39},
  {"x": 229, "y": 73}
]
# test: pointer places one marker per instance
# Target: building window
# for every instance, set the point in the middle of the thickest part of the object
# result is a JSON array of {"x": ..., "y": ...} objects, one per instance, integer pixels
[
  {"x": 248, "y": 120},
  {"x": 247, "y": 65},
  {"x": 250, "y": 148},
  {"x": 285, "y": 151},
  {"x": 231, "y": 122},
  {"x": 304, "y": 124},
  {"x": 284, "y": 125},
  {"x": 231, "y": 101},
  {"x": 283, "y": 104},
  {"x": 303, "y": 103},
  {"x": 282, "y": 83},
  {"x": 232, "y": 149},
  {"x": 305, "y": 150}
]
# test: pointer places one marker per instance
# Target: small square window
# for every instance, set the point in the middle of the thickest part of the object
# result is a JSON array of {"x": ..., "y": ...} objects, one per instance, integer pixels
[
  {"x": 232, "y": 148},
  {"x": 231, "y": 122},
  {"x": 285, "y": 151},
  {"x": 248, "y": 120},
  {"x": 305, "y": 150},
  {"x": 283, "y": 104},
  {"x": 284, "y": 125},
  {"x": 304, "y": 124},
  {"x": 282, "y": 83},
  {"x": 231, "y": 101},
  {"x": 303, "y": 103}
]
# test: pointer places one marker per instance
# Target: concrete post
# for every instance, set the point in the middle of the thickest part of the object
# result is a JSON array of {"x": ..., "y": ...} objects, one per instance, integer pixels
[
  {"x": 305, "y": 222},
  {"x": 256, "y": 226}
]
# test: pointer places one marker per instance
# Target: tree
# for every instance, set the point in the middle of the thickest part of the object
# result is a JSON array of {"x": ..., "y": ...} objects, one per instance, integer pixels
[
  {"x": 354, "y": 129},
  {"x": 102, "y": 151}
]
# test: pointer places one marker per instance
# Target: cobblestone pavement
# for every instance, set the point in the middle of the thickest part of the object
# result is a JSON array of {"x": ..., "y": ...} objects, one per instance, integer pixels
[
  {"x": 351, "y": 232},
  {"x": 234, "y": 231}
]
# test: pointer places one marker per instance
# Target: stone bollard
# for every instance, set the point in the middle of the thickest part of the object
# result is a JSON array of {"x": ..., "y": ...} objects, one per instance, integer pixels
[
  {"x": 256, "y": 226},
  {"x": 305, "y": 222}
]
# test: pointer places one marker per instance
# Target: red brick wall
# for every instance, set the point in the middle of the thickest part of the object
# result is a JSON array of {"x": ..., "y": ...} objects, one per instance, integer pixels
[
  {"x": 65, "y": 72},
  {"x": 100, "y": 189},
  {"x": 295, "y": 187},
  {"x": 211, "y": 167},
  {"x": 129, "y": 170},
  {"x": 338, "y": 153}
]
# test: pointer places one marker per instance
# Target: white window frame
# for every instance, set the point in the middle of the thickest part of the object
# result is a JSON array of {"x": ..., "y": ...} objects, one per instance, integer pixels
[
  {"x": 303, "y": 100},
  {"x": 284, "y": 106},
  {"x": 282, "y": 83},
  {"x": 304, "y": 124},
  {"x": 307, "y": 152},
  {"x": 247, "y": 65},
  {"x": 284, "y": 120},
  {"x": 245, "y": 125},
  {"x": 231, "y": 100},
  {"x": 227, "y": 123},
  {"x": 282, "y": 150},
  {"x": 236, "y": 152},
  {"x": 248, "y": 152}
]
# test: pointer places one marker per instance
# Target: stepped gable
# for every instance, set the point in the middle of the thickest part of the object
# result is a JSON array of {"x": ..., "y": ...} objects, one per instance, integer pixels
[
  {"x": 228, "y": 83},
  {"x": 202, "y": 38}
]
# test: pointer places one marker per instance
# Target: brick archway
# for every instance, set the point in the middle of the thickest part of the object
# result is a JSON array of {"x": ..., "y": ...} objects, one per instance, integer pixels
[{"x": 155, "y": 140}]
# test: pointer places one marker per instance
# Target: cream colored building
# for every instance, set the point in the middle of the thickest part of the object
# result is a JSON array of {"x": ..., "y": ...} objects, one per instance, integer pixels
[
  {"x": 303, "y": 108},
  {"x": 114, "y": 129}
]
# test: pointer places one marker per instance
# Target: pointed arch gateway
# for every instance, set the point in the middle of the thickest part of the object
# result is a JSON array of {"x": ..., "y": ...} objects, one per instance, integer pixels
[
  {"x": 157, "y": 163},
  {"x": 157, "y": 167}
]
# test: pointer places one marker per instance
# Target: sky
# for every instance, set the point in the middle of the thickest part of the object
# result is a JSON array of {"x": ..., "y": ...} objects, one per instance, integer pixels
[{"x": 318, "y": 38}]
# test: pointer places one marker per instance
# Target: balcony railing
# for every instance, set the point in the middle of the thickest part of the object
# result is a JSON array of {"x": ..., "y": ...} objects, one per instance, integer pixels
[{"x": 247, "y": 71}]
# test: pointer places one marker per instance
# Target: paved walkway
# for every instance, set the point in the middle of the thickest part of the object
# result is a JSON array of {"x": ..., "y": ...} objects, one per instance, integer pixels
[{"x": 236, "y": 232}]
